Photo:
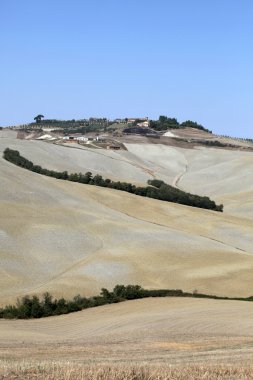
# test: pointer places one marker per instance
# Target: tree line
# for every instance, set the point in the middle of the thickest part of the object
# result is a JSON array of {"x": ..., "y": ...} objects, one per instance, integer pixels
[
  {"x": 217, "y": 143},
  {"x": 164, "y": 123},
  {"x": 209, "y": 143},
  {"x": 157, "y": 189},
  {"x": 34, "y": 307}
]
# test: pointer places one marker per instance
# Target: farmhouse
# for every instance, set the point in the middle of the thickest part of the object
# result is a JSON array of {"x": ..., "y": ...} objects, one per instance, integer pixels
[
  {"x": 82, "y": 138},
  {"x": 78, "y": 138},
  {"x": 68, "y": 138},
  {"x": 144, "y": 124},
  {"x": 101, "y": 138},
  {"x": 134, "y": 119}
]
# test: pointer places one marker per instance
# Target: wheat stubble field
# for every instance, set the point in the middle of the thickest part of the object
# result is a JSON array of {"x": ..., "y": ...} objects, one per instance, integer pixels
[
  {"x": 69, "y": 238},
  {"x": 145, "y": 337}
]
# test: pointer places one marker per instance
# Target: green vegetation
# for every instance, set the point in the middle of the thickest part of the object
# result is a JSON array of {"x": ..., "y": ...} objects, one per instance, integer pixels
[
  {"x": 87, "y": 128},
  {"x": 217, "y": 143},
  {"x": 193, "y": 124},
  {"x": 208, "y": 143},
  {"x": 164, "y": 123},
  {"x": 140, "y": 131},
  {"x": 34, "y": 307},
  {"x": 103, "y": 124},
  {"x": 157, "y": 189},
  {"x": 72, "y": 126},
  {"x": 38, "y": 118}
]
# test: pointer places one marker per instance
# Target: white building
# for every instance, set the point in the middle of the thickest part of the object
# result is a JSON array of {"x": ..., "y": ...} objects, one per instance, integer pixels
[
  {"x": 78, "y": 138},
  {"x": 144, "y": 124},
  {"x": 82, "y": 138},
  {"x": 101, "y": 138}
]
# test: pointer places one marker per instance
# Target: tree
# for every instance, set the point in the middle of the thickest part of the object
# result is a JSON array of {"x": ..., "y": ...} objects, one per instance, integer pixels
[
  {"x": 106, "y": 294},
  {"x": 162, "y": 119},
  {"x": 88, "y": 177},
  {"x": 156, "y": 182},
  {"x": 119, "y": 291},
  {"x": 98, "y": 180},
  {"x": 47, "y": 304},
  {"x": 164, "y": 123},
  {"x": 73, "y": 177},
  {"x": 36, "y": 308},
  {"x": 38, "y": 118}
]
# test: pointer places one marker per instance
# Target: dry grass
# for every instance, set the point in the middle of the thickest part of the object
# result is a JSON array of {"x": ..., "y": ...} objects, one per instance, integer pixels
[
  {"x": 128, "y": 341},
  {"x": 70, "y": 371}
]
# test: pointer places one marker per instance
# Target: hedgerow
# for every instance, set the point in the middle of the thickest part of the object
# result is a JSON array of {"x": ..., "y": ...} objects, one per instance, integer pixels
[
  {"x": 157, "y": 189},
  {"x": 35, "y": 307}
]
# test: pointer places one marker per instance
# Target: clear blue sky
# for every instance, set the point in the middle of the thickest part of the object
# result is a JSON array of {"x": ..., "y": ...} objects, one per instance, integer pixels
[{"x": 189, "y": 59}]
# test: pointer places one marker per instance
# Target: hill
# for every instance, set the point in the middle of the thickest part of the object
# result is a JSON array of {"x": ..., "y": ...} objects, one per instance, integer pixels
[
  {"x": 179, "y": 331},
  {"x": 68, "y": 238}
]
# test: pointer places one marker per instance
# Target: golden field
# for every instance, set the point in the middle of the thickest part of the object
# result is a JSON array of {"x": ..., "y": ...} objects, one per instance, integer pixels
[
  {"x": 162, "y": 338},
  {"x": 68, "y": 238}
]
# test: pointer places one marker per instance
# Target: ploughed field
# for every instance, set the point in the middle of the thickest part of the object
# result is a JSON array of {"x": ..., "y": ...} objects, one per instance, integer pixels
[{"x": 69, "y": 238}]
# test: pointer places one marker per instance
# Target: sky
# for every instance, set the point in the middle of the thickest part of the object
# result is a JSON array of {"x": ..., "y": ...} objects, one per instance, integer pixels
[{"x": 73, "y": 59}]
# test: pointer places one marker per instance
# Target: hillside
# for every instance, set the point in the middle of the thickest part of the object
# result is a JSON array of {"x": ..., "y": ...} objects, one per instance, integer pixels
[
  {"x": 179, "y": 331},
  {"x": 69, "y": 238}
]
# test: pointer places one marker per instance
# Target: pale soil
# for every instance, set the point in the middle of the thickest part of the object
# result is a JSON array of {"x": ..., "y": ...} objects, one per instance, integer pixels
[
  {"x": 193, "y": 133},
  {"x": 170, "y": 134},
  {"x": 224, "y": 175},
  {"x": 69, "y": 238},
  {"x": 77, "y": 158},
  {"x": 162, "y": 330}
]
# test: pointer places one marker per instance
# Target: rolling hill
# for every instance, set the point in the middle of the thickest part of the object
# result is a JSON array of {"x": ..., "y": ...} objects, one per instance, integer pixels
[
  {"x": 179, "y": 331},
  {"x": 68, "y": 238}
]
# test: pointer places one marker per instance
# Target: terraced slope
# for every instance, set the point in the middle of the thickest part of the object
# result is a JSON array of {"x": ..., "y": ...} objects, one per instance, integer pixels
[{"x": 69, "y": 238}]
